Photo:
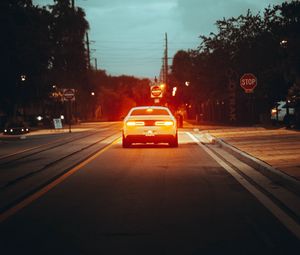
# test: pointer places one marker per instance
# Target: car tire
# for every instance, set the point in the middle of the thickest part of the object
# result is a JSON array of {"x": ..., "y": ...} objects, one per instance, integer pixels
[
  {"x": 174, "y": 142},
  {"x": 125, "y": 142}
]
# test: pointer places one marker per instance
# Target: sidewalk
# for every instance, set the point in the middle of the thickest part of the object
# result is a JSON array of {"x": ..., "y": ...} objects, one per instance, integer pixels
[
  {"x": 278, "y": 147},
  {"x": 75, "y": 128}
]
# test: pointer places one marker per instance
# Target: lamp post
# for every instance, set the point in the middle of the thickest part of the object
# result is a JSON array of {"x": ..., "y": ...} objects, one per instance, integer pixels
[
  {"x": 284, "y": 44},
  {"x": 93, "y": 100},
  {"x": 21, "y": 80}
]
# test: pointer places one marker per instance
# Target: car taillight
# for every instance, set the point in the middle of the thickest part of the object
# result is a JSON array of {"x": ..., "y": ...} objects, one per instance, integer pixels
[
  {"x": 275, "y": 111},
  {"x": 135, "y": 123},
  {"x": 164, "y": 123}
]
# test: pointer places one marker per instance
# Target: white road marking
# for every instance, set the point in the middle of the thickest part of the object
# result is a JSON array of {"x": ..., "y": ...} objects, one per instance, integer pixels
[{"x": 284, "y": 218}]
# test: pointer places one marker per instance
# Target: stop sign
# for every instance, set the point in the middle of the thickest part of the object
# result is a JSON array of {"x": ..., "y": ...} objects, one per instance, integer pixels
[
  {"x": 69, "y": 94},
  {"x": 248, "y": 82},
  {"x": 156, "y": 91}
]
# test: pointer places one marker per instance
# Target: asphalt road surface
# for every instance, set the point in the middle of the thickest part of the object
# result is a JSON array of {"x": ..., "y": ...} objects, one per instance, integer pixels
[{"x": 148, "y": 199}]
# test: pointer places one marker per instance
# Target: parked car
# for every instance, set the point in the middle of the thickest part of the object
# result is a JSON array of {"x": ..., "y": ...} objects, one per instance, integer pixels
[
  {"x": 16, "y": 128},
  {"x": 149, "y": 124},
  {"x": 279, "y": 112}
]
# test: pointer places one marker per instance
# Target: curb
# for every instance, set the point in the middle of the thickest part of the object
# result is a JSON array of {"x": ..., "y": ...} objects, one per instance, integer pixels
[
  {"x": 276, "y": 175},
  {"x": 13, "y": 137}
]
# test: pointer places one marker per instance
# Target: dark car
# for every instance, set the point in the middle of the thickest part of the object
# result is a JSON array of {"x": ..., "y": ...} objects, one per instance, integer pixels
[{"x": 16, "y": 128}]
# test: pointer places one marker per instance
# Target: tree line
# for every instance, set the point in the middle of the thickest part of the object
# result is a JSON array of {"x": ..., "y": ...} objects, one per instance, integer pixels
[
  {"x": 266, "y": 44},
  {"x": 43, "y": 49}
]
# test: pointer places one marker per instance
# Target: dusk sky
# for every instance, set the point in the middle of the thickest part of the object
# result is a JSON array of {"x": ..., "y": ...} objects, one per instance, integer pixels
[{"x": 127, "y": 36}]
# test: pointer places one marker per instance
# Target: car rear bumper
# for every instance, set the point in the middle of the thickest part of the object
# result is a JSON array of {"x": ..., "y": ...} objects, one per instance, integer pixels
[
  {"x": 150, "y": 139},
  {"x": 150, "y": 130}
]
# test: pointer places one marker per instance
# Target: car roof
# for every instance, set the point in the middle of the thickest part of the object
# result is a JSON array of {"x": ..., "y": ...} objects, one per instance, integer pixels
[{"x": 150, "y": 106}]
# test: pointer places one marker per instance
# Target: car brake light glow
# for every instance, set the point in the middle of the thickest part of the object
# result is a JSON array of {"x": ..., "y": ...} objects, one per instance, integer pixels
[
  {"x": 274, "y": 110},
  {"x": 135, "y": 123},
  {"x": 164, "y": 123}
]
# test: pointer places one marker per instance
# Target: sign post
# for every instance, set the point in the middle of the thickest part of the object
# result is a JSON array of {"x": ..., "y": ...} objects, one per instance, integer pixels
[
  {"x": 69, "y": 95},
  {"x": 248, "y": 82}
]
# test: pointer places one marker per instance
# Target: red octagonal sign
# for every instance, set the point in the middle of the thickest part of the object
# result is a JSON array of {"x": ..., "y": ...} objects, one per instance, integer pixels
[
  {"x": 248, "y": 82},
  {"x": 69, "y": 94},
  {"x": 156, "y": 91}
]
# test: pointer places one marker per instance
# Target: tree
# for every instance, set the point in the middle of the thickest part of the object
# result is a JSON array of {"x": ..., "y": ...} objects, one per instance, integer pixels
[
  {"x": 68, "y": 65},
  {"x": 25, "y": 52},
  {"x": 68, "y": 29},
  {"x": 247, "y": 43}
]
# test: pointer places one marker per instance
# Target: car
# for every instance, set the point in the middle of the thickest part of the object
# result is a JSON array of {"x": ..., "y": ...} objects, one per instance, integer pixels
[
  {"x": 279, "y": 112},
  {"x": 149, "y": 124},
  {"x": 15, "y": 128}
]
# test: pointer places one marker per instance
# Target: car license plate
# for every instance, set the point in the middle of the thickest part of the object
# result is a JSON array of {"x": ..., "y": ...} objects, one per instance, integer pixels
[{"x": 149, "y": 133}]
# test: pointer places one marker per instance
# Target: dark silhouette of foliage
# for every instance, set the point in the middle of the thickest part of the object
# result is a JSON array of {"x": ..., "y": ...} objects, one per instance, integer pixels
[
  {"x": 45, "y": 46},
  {"x": 267, "y": 45},
  {"x": 25, "y": 50}
]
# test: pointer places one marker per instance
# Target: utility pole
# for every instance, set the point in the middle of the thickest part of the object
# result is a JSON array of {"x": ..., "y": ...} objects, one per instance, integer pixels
[
  {"x": 96, "y": 64},
  {"x": 73, "y": 4},
  {"x": 88, "y": 51},
  {"x": 166, "y": 60},
  {"x": 162, "y": 72}
]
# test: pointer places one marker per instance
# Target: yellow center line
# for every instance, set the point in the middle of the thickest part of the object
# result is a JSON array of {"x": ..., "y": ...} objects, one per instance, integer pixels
[{"x": 13, "y": 210}]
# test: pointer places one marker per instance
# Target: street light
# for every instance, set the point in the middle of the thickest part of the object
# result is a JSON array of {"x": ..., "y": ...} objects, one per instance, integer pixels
[
  {"x": 174, "y": 91},
  {"x": 283, "y": 43},
  {"x": 162, "y": 86},
  {"x": 92, "y": 93},
  {"x": 23, "y": 77}
]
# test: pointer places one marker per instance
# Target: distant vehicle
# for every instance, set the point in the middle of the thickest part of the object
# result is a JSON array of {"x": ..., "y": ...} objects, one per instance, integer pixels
[
  {"x": 149, "y": 124},
  {"x": 279, "y": 112},
  {"x": 15, "y": 128}
]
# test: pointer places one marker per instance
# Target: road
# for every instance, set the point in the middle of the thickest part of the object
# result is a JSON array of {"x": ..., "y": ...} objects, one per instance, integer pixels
[{"x": 148, "y": 199}]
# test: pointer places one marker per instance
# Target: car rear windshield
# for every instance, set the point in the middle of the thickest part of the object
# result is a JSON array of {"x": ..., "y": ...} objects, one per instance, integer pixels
[{"x": 149, "y": 111}]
